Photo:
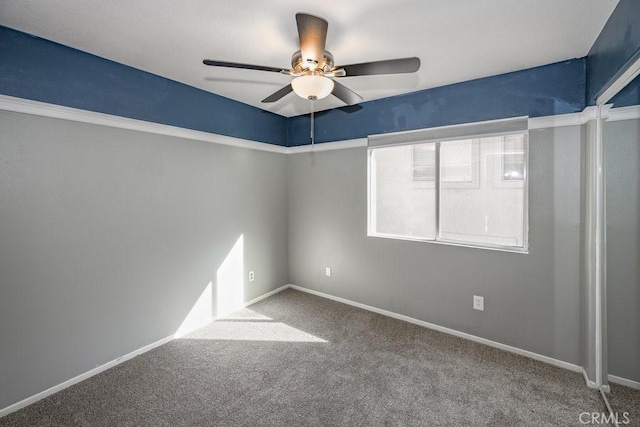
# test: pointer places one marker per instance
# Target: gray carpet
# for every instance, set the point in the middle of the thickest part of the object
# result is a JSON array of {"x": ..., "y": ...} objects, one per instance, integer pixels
[
  {"x": 624, "y": 399},
  {"x": 299, "y": 360}
]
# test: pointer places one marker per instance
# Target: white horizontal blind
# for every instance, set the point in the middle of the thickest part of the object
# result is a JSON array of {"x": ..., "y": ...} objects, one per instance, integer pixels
[
  {"x": 454, "y": 132},
  {"x": 402, "y": 193},
  {"x": 424, "y": 163}
]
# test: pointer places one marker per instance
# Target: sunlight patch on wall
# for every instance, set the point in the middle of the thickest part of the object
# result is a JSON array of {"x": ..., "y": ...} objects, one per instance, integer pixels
[
  {"x": 200, "y": 314},
  {"x": 230, "y": 280}
]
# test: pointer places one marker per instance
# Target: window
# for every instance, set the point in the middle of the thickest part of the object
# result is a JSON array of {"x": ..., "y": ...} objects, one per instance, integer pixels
[
  {"x": 513, "y": 158},
  {"x": 457, "y": 161},
  {"x": 424, "y": 163},
  {"x": 469, "y": 191}
]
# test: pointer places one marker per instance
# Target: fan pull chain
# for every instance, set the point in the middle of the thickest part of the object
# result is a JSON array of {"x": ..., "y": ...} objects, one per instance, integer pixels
[{"x": 312, "y": 125}]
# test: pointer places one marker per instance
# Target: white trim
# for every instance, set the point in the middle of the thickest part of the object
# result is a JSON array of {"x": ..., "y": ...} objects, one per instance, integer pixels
[
  {"x": 512, "y": 249},
  {"x": 48, "y": 392},
  {"x": 609, "y": 113},
  {"x": 624, "y": 381},
  {"x": 267, "y": 295},
  {"x": 590, "y": 384},
  {"x": 37, "y": 108},
  {"x": 599, "y": 247},
  {"x": 624, "y": 113},
  {"x": 593, "y": 385},
  {"x": 327, "y": 146},
  {"x": 572, "y": 119},
  {"x": 505, "y": 347},
  {"x": 27, "y": 106},
  {"x": 555, "y": 362},
  {"x": 632, "y": 72}
]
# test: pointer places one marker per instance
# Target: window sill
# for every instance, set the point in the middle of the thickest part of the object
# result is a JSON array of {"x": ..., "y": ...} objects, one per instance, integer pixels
[{"x": 511, "y": 249}]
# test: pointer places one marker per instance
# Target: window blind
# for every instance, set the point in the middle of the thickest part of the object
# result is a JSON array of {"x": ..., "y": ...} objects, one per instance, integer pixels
[{"x": 454, "y": 132}]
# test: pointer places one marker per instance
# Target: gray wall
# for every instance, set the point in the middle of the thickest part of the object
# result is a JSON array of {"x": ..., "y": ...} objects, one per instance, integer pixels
[
  {"x": 109, "y": 236},
  {"x": 531, "y": 301},
  {"x": 622, "y": 157}
]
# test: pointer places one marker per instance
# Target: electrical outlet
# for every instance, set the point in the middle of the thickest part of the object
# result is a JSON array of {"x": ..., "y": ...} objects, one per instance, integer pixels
[
  {"x": 478, "y": 303},
  {"x": 252, "y": 276},
  {"x": 327, "y": 271}
]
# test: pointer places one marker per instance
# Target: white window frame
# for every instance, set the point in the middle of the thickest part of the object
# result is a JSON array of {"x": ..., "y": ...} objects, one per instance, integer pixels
[{"x": 371, "y": 199}]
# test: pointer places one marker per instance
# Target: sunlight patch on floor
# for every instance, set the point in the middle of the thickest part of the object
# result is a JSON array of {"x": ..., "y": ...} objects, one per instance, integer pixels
[
  {"x": 245, "y": 314},
  {"x": 252, "y": 331}
]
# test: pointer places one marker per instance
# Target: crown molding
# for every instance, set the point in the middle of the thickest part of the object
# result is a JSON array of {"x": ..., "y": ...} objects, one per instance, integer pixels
[
  {"x": 632, "y": 71},
  {"x": 573, "y": 119},
  {"x": 328, "y": 146},
  {"x": 624, "y": 113},
  {"x": 27, "y": 106}
]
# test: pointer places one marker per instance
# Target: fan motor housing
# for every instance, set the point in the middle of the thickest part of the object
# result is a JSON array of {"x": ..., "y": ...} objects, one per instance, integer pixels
[{"x": 302, "y": 66}]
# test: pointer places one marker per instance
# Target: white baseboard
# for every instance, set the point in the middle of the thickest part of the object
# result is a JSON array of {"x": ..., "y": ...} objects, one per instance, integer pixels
[
  {"x": 516, "y": 350},
  {"x": 267, "y": 295},
  {"x": 511, "y": 349},
  {"x": 612, "y": 379},
  {"x": 48, "y": 392},
  {"x": 592, "y": 384},
  {"x": 566, "y": 365},
  {"x": 625, "y": 382}
]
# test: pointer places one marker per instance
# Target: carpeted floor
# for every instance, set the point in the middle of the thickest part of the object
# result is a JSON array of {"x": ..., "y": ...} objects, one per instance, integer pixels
[
  {"x": 299, "y": 360},
  {"x": 625, "y": 400}
]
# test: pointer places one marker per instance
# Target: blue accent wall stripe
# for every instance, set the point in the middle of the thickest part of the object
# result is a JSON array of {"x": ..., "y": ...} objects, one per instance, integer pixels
[
  {"x": 38, "y": 69},
  {"x": 41, "y": 70},
  {"x": 557, "y": 88},
  {"x": 616, "y": 47}
]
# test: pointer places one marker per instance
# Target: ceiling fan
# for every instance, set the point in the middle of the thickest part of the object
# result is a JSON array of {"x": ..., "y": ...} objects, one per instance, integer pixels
[{"x": 314, "y": 70}]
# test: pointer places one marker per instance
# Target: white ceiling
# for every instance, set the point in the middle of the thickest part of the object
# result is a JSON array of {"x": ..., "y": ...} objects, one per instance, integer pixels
[{"x": 456, "y": 40}]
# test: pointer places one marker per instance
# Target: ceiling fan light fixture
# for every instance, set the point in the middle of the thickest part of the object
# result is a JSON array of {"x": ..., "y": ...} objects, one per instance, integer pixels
[
  {"x": 313, "y": 66},
  {"x": 312, "y": 86}
]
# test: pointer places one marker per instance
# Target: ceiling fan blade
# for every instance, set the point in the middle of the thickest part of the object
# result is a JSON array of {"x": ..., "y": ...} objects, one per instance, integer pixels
[
  {"x": 279, "y": 94},
  {"x": 390, "y": 66},
  {"x": 243, "y": 66},
  {"x": 345, "y": 94},
  {"x": 312, "y": 31}
]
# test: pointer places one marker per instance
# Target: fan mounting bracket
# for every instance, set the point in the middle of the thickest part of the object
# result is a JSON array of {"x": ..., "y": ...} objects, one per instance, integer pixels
[{"x": 304, "y": 66}]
